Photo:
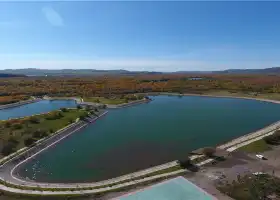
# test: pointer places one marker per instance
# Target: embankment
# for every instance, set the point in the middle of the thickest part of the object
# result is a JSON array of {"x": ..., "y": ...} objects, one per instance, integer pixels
[
  {"x": 46, "y": 143},
  {"x": 133, "y": 103},
  {"x": 18, "y": 103}
]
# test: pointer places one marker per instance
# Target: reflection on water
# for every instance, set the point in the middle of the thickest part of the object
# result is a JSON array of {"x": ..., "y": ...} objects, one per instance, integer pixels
[{"x": 35, "y": 108}]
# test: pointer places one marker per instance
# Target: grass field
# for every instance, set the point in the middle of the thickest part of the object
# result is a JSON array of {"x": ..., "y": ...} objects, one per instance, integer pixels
[
  {"x": 16, "y": 131},
  {"x": 103, "y": 100},
  {"x": 255, "y": 147}
]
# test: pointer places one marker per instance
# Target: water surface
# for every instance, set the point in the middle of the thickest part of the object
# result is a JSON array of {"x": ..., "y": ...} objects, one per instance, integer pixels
[
  {"x": 35, "y": 108},
  {"x": 134, "y": 138}
]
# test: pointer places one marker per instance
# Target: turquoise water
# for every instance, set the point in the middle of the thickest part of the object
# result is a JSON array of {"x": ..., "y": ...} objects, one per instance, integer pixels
[
  {"x": 175, "y": 189},
  {"x": 35, "y": 108},
  {"x": 134, "y": 138}
]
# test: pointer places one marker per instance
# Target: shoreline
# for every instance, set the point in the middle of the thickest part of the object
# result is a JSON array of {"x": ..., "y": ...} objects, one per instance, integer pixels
[
  {"x": 227, "y": 145},
  {"x": 216, "y": 96},
  {"x": 20, "y": 103}
]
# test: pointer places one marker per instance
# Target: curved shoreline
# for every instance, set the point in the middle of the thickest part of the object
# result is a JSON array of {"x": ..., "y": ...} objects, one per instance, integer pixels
[
  {"x": 228, "y": 145},
  {"x": 215, "y": 96}
]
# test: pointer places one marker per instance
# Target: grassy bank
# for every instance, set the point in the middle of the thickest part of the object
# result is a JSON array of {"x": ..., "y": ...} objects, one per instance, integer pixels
[
  {"x": 18, "y": 133},
  {"x": 104, "y": 100},
  {"x": 270, "y": 96},
  {"x": 114, "y": 100},
  {"x": 257, "y": 146}
]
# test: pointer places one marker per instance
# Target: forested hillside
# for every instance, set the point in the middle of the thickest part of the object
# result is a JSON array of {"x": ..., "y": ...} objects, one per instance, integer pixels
[{"x": 118, "y": 85}]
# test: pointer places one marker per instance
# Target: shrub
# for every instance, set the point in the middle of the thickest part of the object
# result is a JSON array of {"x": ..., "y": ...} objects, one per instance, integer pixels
[
  {"x": 209, "y": 151},
  {"x": 17, "y": 126},
  {"x": 34, "y": 120},
  {"x": 64, "y": 109},
  {"x": 39, "y": 133},
  {"x": 273, "y": 139},
  {"x": 29, "y": 141},
  {"x": 54, "y": 116},
  {"x": 13, "y": 140},
  {"x": 88, "y": 108},
  {"x": 83, "y": 117},
  {"x": 8, "y": 149},
  {"x": 185, "y": 163},
  {"x": 7, "y": 124}
]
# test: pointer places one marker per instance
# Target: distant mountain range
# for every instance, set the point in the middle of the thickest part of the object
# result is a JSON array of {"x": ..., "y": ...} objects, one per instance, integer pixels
[
  {"x": 272, "y": 70},
  {"x": 71, "y": 72},
  {"x": 10, "y": 75},
  {"x": 92, "y": 72}
]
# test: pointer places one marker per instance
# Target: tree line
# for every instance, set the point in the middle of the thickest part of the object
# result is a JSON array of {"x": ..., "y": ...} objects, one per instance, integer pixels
[{"x": 118, "y": 85}]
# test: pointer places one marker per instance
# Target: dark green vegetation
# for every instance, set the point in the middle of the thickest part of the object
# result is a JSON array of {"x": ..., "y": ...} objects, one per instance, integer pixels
[
  {"x": 273, "y": 139},
  {"x": 17, "y": 133},
  {"x": 263, "y": 144},
  {"x": 253, "y": 187}
]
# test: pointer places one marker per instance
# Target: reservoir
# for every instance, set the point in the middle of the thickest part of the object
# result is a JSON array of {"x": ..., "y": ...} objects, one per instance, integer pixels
[
  {"x": 35, "y": 108},
  {"x": 138, "y": 137}
]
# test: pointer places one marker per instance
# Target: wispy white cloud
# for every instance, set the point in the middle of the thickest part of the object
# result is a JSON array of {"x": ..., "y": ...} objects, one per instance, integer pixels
[{"x": 52, "y": 16}]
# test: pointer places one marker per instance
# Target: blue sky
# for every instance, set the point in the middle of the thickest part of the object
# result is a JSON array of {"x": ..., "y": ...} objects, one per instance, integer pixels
[{"x": 154, "y": 36}]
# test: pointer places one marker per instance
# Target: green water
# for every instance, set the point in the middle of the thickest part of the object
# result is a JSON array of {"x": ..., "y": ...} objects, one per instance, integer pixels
[{"x": 145, "y": 135}]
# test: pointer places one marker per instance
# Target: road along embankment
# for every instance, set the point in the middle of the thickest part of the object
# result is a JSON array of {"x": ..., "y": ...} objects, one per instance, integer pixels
[
  {"x": 20, "y": 103},
  {"x": 10, "y": 163},
  {"x": 257, "y": 134}
]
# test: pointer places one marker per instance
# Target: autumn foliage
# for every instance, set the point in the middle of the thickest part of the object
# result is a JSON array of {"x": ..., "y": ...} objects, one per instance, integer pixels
[
  {"x": 12, "y": 99},
  {"x": 12, "y": 89}
]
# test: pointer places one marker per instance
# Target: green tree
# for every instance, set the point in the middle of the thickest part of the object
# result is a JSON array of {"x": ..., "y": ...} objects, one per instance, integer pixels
[
  {"x": 8, "y": 149},
  {"x": 64, "y": 109},
  {"x": 209, "y": 151},
  {"x": 34, "y": 120},
  {"x": 29, "y": 141}
]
